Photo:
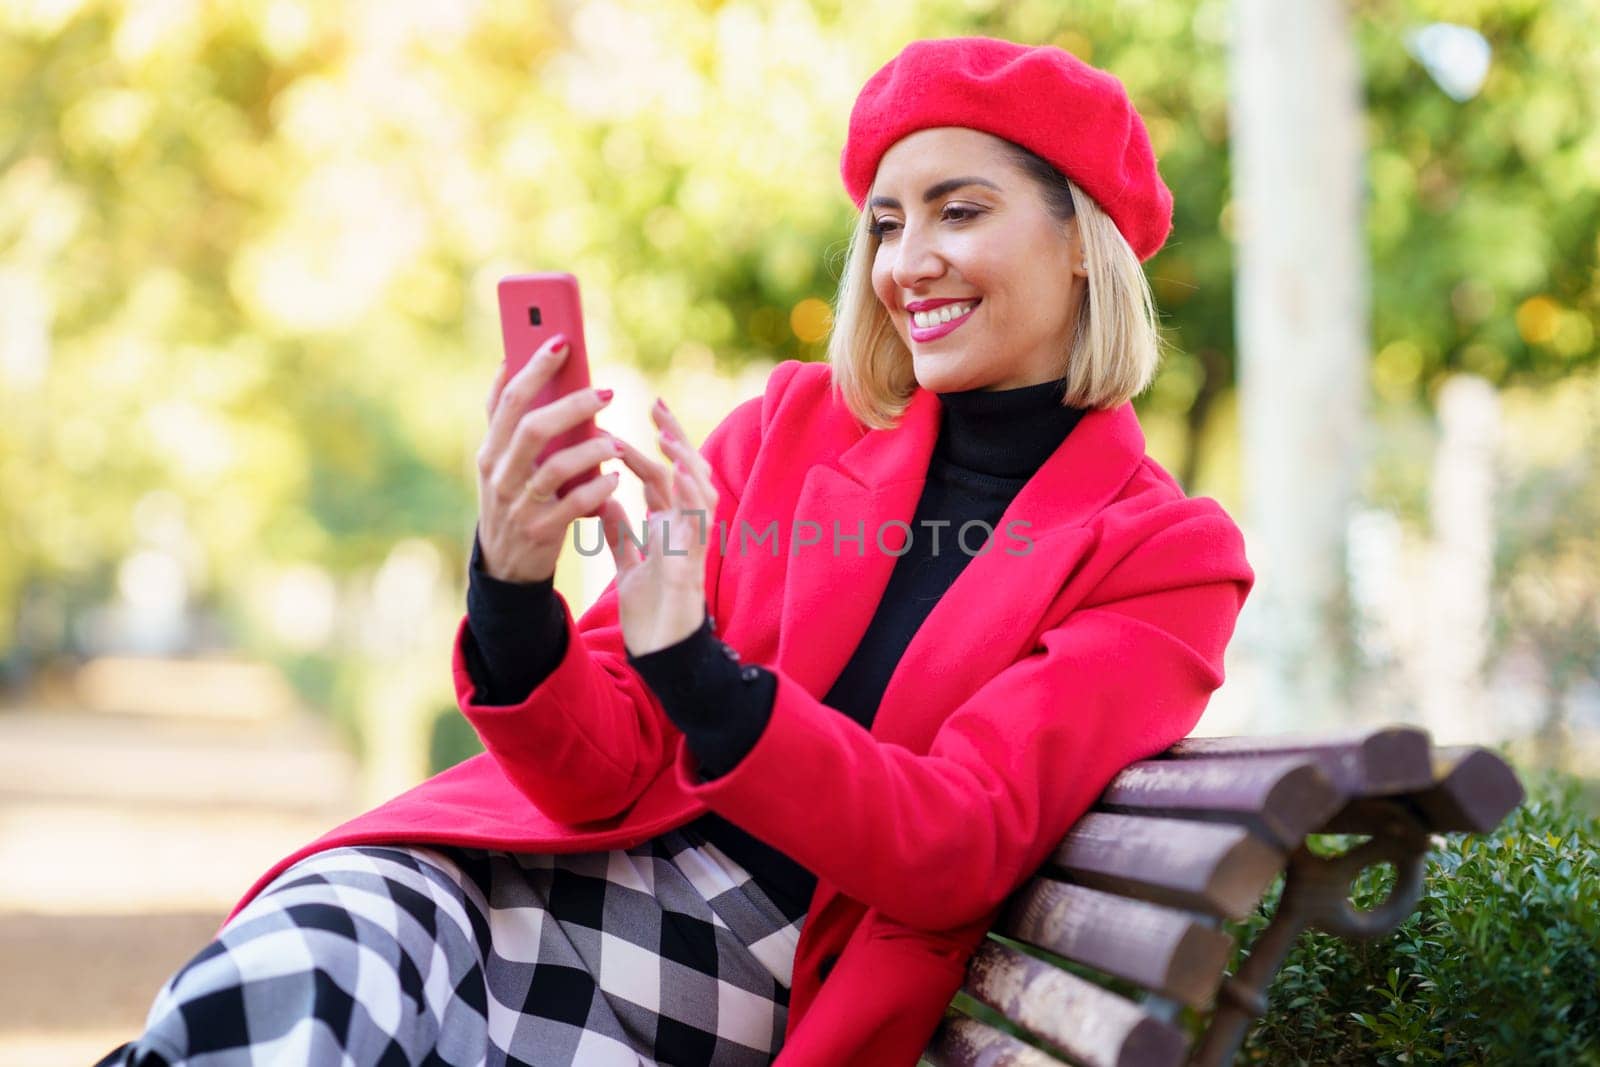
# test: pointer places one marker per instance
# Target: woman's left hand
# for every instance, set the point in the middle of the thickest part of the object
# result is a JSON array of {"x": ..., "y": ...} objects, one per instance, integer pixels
[{"x": 661, "y": 591}]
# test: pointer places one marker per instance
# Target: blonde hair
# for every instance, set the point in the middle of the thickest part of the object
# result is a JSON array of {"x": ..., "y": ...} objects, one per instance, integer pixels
[{"x": 1116, "y": 343}]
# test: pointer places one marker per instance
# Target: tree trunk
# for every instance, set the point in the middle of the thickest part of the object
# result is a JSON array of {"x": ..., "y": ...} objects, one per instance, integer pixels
[{"x": 1302, "y": 313}]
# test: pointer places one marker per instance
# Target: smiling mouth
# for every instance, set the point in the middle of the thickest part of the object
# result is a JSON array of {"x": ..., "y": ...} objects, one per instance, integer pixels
[{"x": 938, "y": 326}]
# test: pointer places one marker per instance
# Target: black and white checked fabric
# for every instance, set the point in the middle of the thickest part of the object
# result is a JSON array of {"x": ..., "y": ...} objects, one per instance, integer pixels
[{"x": 665, "y": 954}]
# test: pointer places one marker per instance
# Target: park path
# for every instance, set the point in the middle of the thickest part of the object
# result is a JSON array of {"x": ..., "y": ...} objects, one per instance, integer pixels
[{"x": 125, "y": 838}]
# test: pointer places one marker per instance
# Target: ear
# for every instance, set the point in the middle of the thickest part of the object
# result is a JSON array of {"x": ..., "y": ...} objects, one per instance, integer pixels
[{"x": 1075, "y": 251}]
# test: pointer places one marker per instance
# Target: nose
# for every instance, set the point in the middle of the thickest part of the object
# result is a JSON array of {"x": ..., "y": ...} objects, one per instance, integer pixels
[{"x": 917, "y": 259}]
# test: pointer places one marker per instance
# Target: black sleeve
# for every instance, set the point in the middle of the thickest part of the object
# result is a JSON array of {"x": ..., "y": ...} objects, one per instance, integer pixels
[
  {"x": 516, "y": 634},
  {"x": 720, "y": 705}
]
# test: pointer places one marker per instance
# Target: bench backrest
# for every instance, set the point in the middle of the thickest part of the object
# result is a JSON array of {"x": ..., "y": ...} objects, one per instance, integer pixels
[{"x": 1135, "y": 895}]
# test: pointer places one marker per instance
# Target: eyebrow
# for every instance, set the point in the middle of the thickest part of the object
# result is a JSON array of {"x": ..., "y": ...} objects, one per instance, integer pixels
[{"x": 934, "y": 192}]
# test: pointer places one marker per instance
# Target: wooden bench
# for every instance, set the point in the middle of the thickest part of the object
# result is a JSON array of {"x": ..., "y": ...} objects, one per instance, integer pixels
[{"x": 1139, "y": 889}]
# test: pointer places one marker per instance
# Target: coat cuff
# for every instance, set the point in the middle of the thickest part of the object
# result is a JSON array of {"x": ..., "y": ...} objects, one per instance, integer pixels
[
  {"x": 721, "y": 705},
  {"x": 517, "y": 631}
]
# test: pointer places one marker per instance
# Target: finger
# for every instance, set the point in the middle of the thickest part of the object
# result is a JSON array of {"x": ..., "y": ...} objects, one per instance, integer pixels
[
  {"x": 692, "y": 507},
  {"x": 573, "y": 460},
  {"x": 697, "y": 509},
  {"x": 582, "y": 500},
  {"x": 528, "y": 502},
  {"x": 534, "y": 430},
  {"x": 495, "y": 388},
  {"x": 655, "y": 476},
  {"x": 613, "y": 520},
  {"x": 672, "y": 429},
  {"x": 554, "y": 514},
  {"x": 699, "y": 469},
  {"x": 667, "y": 420},
  {"x": 521, "y": 390}
]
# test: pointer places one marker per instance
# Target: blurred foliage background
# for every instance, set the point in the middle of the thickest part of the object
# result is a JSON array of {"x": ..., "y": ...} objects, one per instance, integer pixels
[
  {"x": 248, "y": 251},
  {"x": 247, "y": 256}
]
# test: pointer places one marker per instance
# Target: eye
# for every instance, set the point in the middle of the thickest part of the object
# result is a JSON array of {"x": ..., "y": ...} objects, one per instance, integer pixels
[{"x": 879, "y": 228}]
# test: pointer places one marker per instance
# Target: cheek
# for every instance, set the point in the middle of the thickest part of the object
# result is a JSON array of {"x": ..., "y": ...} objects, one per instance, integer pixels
[{"x": 883, "y": 287}]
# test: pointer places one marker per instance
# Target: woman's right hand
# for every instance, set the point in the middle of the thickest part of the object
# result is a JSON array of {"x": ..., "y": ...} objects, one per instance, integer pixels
[{"x": 521, "y": 522}]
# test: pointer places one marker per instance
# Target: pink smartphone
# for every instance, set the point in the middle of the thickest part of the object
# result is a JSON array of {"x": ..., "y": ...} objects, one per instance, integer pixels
[{"x": 532, "y": 308}]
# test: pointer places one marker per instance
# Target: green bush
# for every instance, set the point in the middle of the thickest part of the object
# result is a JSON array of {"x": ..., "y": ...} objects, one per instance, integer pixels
[{"x": 1500, "y": 964}]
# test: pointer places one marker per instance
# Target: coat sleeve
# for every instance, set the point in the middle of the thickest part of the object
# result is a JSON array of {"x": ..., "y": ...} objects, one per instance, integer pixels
[
  {"x": 936, "y": 840},
  {"x": 591, "y": 736}
]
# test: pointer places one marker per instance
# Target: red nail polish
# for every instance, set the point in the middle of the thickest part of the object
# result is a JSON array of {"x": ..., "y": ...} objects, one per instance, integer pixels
[{"x": 605, "y": 394}]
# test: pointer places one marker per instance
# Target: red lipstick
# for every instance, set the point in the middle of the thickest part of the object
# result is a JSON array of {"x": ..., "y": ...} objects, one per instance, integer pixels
[
  {"x": 929, "y": 305},
  {"x": 922, "y": 335}
]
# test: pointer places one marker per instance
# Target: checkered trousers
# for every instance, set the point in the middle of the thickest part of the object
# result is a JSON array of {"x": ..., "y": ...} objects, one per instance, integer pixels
[{"x": 666, "y": 953}]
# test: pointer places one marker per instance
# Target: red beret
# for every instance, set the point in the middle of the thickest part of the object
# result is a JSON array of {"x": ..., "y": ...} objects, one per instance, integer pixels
[{"x": 1043, "y": 98}]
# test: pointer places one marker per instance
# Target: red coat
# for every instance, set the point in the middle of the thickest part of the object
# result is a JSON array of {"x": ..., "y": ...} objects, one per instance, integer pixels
[{"x": 1086, "y": 639}]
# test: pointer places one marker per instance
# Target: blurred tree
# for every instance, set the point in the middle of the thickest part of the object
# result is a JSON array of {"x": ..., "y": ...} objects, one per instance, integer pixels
[
  {"x": 1302, "y": 287},
  {"x": 1484, "y": 214},
  {"x": 1547, "y": 561},
  {"x": 247, "y": 250}
]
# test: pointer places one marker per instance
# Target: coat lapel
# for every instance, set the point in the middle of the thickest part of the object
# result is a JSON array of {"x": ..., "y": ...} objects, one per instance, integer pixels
[
  {"x": 876, "y": 480},
  {"x": 987, "y": 617}
]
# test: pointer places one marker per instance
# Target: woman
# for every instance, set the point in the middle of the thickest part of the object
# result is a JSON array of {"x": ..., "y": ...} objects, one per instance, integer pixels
[{"x": 944, "y": 598}]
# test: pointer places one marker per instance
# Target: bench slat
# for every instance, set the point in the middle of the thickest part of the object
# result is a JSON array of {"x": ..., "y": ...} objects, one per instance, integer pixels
[
  {"x": 1166, "y": 951},
  {"x": 1475, "y": 791},
  {"x": 1205, "y": 826},
  {"x": 1209, "y": 867},
  {"x": 1088, "y": 1023},
  {"x": 1281, "y": 798},
  {"x": 964, "y": 1042},
  {"x": 1371, "y": 761}
]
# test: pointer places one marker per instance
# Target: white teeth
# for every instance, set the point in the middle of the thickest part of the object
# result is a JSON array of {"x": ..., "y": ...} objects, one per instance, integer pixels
[{"x": 924, "y": 319}]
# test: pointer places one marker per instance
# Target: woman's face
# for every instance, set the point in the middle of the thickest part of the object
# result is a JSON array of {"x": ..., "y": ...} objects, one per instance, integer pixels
[{"x": 962, "y": 226}]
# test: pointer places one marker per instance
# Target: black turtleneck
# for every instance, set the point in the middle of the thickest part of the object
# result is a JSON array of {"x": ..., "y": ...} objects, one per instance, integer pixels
[{"x": 990, "y": 442}]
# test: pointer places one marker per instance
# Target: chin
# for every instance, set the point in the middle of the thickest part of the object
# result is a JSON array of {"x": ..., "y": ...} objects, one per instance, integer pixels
[{"x": 942, "y": 373}]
